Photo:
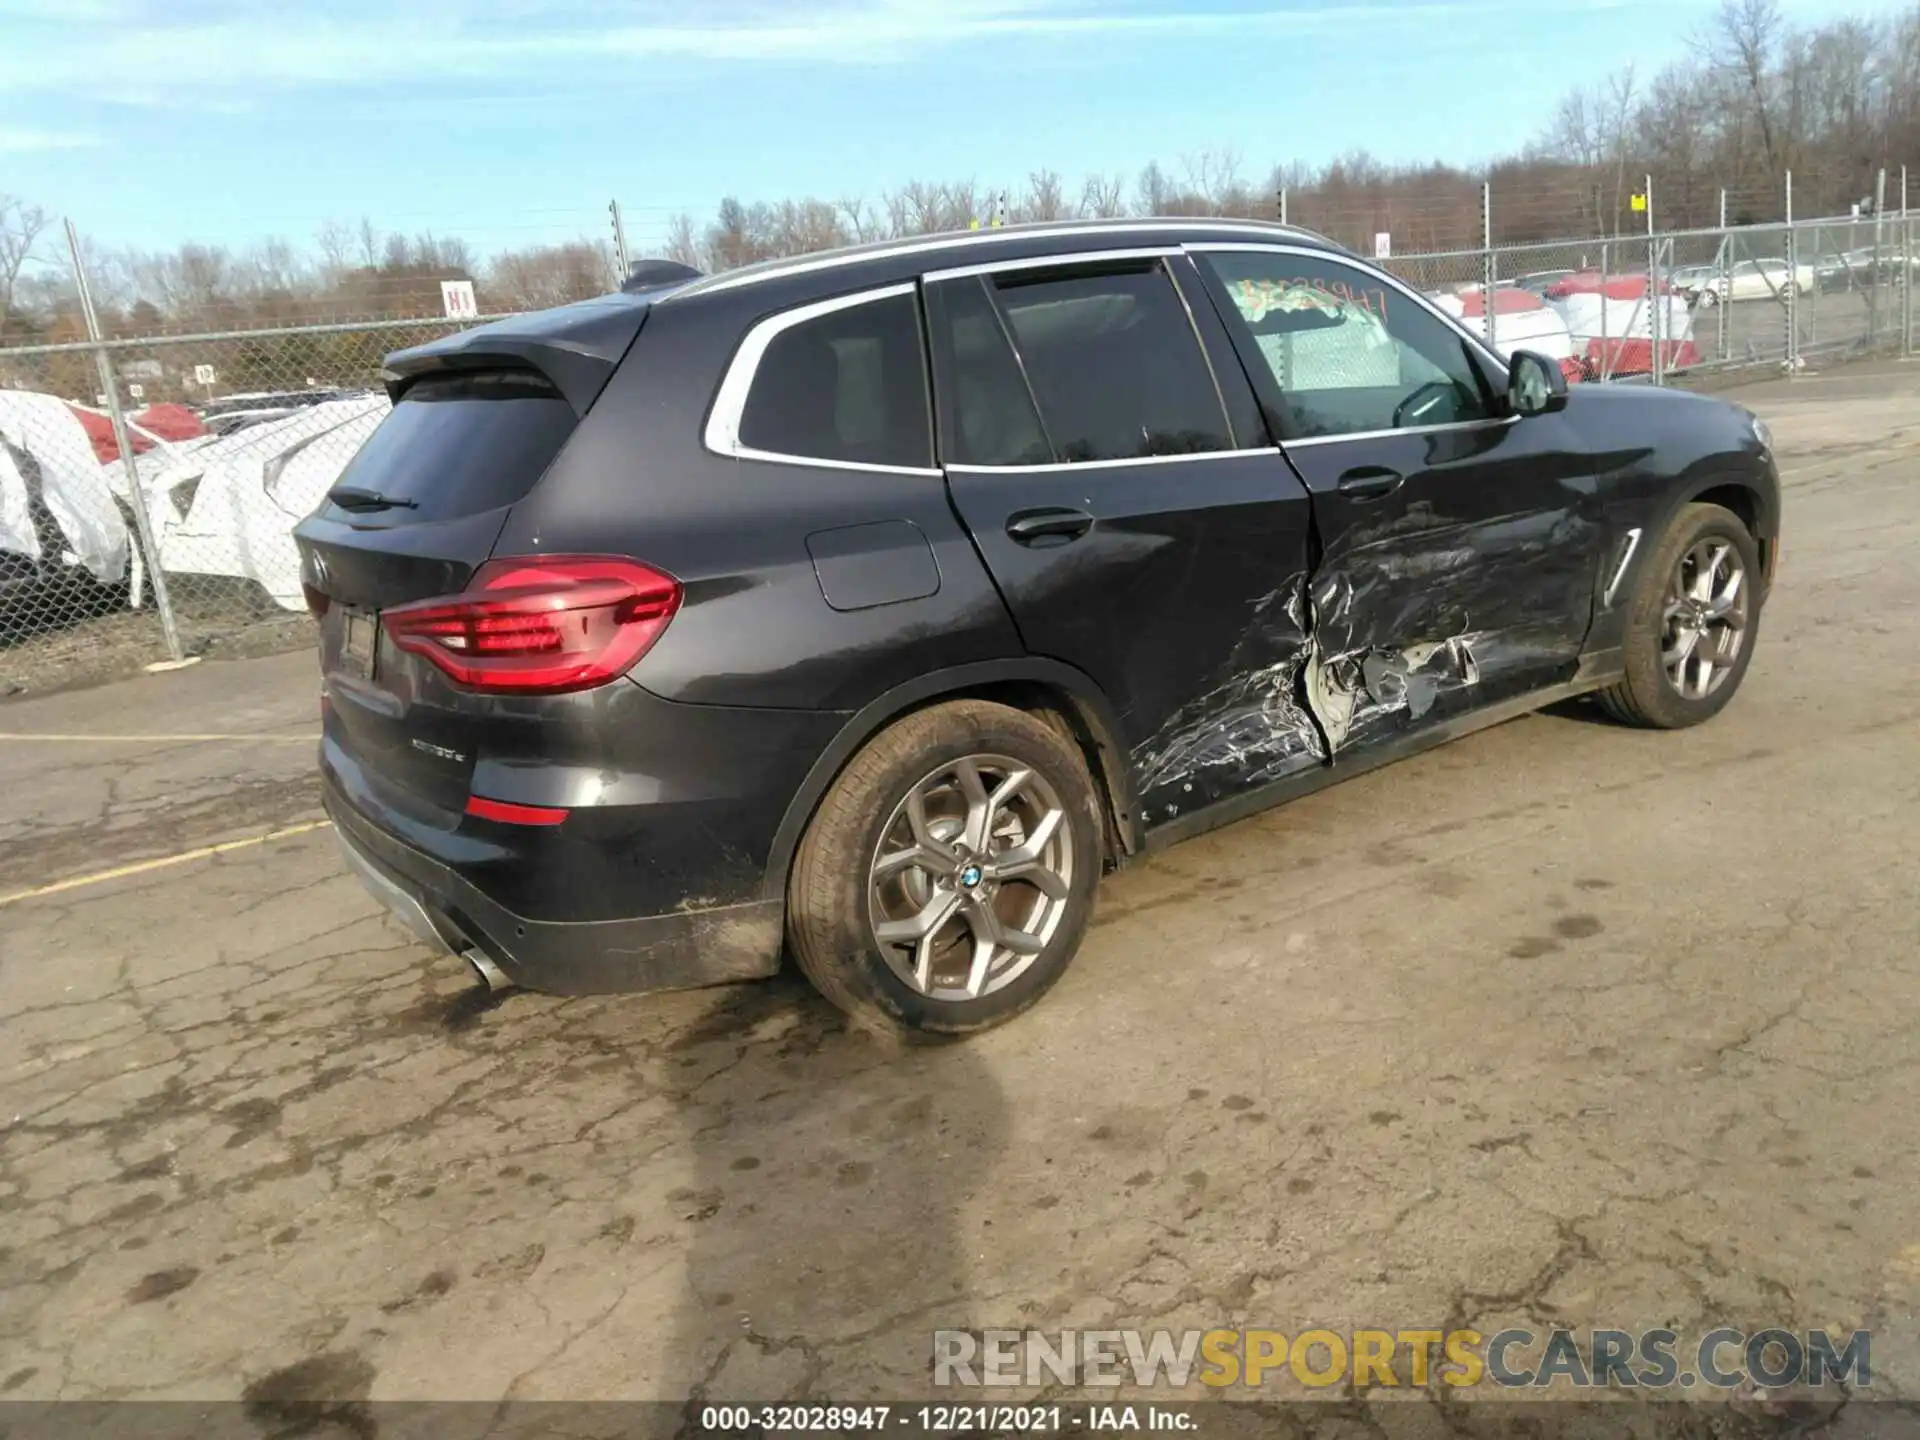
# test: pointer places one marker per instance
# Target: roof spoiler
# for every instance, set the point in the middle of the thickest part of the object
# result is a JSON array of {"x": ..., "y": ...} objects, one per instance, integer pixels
[
  {"x": 652, "y": 274},
  {"x": 576, "y": 347}
]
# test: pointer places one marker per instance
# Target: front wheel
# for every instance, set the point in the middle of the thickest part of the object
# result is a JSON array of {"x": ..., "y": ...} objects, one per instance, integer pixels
[
  {"x": 1691, "y": 631},
  {"x": 948, "y": 876}
]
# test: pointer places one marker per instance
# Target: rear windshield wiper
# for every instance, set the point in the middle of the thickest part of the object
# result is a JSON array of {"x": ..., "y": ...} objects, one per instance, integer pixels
[{"x": 352, "y": 497}]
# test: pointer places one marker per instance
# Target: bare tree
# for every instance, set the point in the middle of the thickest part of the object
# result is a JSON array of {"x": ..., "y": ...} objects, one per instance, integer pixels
[
  {"x": 21, "y": 226},
  {"x": 682, "y": 245},
  {"x": 1749, "y": 32},
  {"x": 1103, "y": 196},
  {"x": 336, "y": 247},
  {"x": 1046, "y": 197},
  {"x": 859, "y": 219},
  {"x": 543, "y": 276},
  {"x": 1213, "y": 183},
  {"x": 1155, "y": 190}
]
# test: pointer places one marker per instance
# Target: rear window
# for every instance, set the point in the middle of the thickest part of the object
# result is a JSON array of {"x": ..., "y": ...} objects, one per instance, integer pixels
[
  {"x": 847, "y": 386},
  {"x": 459, "y": 445}
]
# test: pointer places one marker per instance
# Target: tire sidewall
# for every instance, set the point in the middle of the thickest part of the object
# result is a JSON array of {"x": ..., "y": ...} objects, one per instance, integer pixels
[{"x": 850, "y": 851}]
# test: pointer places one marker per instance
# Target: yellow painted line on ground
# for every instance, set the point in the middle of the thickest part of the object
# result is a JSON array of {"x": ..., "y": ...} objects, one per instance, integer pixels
[
  {"x": 156, "y": 739},
  {"x": 121, "y": 872}
]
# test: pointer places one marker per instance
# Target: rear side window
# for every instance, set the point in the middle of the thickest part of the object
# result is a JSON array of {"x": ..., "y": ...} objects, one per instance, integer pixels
[
  {"x": 849, "y": 386},
  {"x": 990, "y": 418},
  {"x": 1114, "y": 364},
  {"x": 459, "y": 445}
]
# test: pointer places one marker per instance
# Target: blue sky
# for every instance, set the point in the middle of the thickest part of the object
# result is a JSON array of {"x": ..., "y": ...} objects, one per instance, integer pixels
[{"x": 514, "y": 121}]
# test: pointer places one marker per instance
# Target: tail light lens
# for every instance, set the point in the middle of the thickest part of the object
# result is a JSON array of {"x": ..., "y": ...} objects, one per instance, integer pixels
[{"x": 540, "y": 625}]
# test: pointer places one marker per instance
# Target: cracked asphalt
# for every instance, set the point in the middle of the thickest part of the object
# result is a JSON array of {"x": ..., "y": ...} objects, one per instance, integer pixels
[{"x": 1561, "y": 1024}]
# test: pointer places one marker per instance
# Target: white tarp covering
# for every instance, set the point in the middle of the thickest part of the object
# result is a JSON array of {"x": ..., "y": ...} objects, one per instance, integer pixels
[
  {"x": 16, "y": 524},
  {"x": 42, "y": 429},
  {"x": 1517, "y": 326},
  {"x": 228, "y": 506},
  {"x": 1592, "y": 317}
]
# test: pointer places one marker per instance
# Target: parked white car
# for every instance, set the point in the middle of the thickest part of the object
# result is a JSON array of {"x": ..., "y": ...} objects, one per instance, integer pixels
[
  {"x": 228, "y": 507},
  {"x": 1756, "y": 280}
]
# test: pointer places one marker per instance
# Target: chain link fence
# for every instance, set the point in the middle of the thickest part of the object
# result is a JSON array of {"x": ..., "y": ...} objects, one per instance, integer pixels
[
  {"x": 147, "y": 506},
  {"x": 149, "y": 486}
]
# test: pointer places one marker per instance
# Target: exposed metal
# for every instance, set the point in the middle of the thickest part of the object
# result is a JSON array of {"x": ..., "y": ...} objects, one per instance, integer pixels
[{"x": 489, "y": 974}]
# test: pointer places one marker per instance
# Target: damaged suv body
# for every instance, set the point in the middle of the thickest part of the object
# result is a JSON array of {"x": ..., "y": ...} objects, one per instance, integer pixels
[{"x": 867, "y": 606}]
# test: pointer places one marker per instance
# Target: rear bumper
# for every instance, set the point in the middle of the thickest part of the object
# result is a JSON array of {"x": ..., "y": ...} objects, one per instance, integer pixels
[{"x": 678, "y": 951}]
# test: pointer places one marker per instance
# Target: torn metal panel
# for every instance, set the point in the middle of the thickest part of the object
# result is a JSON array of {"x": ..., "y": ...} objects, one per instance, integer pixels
[
  {"x": 1357, "y": 697},
  {"x": 1249, "y": 728}
]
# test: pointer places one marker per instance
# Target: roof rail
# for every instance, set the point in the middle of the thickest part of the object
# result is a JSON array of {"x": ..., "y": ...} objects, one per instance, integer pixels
[{"x": 960, "y": 239}]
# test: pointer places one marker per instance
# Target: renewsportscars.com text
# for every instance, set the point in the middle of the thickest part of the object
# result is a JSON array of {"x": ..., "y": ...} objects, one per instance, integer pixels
[{"x": 1598, "y": 1359}]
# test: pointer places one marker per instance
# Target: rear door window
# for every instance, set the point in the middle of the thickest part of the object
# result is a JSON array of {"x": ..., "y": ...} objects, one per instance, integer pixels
[
  {"x": 846, "y": 387},
  {"x": 457, "y": 445},
  {"x": 1113, "y": 363},
  {"x": 987, "y": 411}
]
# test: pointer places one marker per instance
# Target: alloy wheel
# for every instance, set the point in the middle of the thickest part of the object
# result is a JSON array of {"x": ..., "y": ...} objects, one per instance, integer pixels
[
  {"x": 972, "y": 876},
  {"x": 1704, "y": 623}
]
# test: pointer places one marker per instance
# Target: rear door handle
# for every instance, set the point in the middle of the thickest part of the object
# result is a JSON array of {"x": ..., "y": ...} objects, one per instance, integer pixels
[
  {"x": 1042, "y": 528},
  {"x": 1370, "y": 482}
]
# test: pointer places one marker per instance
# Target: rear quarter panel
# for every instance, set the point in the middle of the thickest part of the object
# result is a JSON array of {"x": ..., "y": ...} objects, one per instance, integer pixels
[{"x": 755, "y": 628}]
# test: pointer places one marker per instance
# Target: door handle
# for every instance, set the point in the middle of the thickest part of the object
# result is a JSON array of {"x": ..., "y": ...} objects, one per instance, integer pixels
[
  {"x": 1048, "y": 527},
  {"x": 1370, "y": 482}
]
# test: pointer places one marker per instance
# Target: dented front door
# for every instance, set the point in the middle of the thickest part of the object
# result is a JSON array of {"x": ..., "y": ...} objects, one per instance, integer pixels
[{"x": 1456, "y": 543}]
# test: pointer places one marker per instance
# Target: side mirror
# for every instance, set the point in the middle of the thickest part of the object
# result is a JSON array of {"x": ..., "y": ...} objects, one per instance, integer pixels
[{"x": 1535, "y": 384}]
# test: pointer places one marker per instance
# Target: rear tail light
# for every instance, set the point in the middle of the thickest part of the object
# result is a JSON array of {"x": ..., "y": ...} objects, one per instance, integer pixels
[{"x": 540, "y": 625}]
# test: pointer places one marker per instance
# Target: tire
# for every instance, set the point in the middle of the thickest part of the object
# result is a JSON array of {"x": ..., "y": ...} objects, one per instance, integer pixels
[
  {"x": 1708, "y": 299},
  {"x": 838, "y": 892},
  {"x": 1648, "y": 694}
]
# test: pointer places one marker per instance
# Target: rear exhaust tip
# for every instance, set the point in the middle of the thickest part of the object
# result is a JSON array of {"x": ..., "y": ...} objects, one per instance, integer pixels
[{"x": 491, "y": 975}]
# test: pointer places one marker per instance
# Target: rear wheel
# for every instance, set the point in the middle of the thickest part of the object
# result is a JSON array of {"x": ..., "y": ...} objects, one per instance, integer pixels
[
  {"x": 1695, "y": 617},
  {"x": 948, "y": 876}
]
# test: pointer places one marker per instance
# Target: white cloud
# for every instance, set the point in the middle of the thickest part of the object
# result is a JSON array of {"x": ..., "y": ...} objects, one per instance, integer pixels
[
  {"x": 203, "y": 51},
  {"x": 28, "y": 140}
]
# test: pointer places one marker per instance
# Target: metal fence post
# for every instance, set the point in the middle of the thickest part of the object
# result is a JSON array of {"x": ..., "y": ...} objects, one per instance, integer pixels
[
  {"x": 1487, "y": 265},
  {"x": 1724, "y": 280},
  {"x": 1793, "y": 287},
  {"x": 619, "y": 244},
  {"x": 136, "y": 496},
  {"x": 1907, "y": 259},
  {"x": 1874, "y": 322},
  {"x": 1606, "y": 340},
  {"x": 1655, "y": 308}
]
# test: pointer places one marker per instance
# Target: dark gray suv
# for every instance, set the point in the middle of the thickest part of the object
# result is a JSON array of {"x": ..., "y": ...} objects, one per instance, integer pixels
[{"x": 870, "y": 605}]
